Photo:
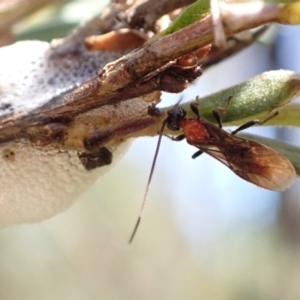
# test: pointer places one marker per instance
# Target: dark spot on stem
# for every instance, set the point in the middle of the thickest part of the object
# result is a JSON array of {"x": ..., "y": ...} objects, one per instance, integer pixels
[{"x": 97, "y": 159}]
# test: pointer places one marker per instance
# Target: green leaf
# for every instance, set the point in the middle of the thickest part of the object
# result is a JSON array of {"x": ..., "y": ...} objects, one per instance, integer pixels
[
  {"x": 288, "y": 116},
  {"x": 255, "y": 98},
  {"x": 190, "y": 15}
]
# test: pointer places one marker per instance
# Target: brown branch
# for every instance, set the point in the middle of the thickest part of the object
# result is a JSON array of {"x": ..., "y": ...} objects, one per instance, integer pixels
[
  {"x": 123, "y": 76},
  {"x": 129, "y": 77}
]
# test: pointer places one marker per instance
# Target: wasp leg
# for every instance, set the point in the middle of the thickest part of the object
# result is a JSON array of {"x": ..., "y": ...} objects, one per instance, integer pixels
[
  {"x": 195, "y": 109},
  {"x": 224, "y": 109},
  {"x": 216, "y": 112},
  {"x": 245, "y": 126},
  {"x": 217, "y": 118},
  {"x": 178, "y": 138},
  {"x": 252, "y": 123},
  {"x": 269, "y": 118},
  {"x": 197, "y": 154}
]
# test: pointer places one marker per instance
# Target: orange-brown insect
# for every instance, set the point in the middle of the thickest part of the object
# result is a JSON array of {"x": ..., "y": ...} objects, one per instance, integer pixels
[{"x": 249, "y": 160}]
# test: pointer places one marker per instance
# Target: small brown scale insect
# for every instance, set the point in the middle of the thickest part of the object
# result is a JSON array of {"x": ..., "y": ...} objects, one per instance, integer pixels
[{"x": 249, "y": 160}]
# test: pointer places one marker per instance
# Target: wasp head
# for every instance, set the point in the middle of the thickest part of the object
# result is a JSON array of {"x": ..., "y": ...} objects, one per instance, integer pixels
[{"x": 175, "y": 115}]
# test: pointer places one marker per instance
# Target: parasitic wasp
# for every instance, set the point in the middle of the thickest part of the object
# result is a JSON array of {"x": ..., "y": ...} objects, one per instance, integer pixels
[{"x": 253, "y": 162}]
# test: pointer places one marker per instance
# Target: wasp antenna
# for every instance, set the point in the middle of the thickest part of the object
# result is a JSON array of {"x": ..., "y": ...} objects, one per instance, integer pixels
[
  {"x": 160, "y": 134},
  {"x": 135, "y": 229},
  {"x": 179, "y": 101}
]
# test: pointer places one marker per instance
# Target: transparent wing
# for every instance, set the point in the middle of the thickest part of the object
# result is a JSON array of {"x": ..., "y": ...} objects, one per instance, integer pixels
[{"x": 251, "y": 161}]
